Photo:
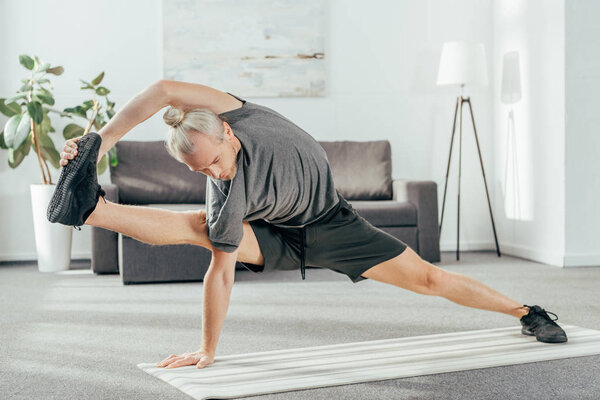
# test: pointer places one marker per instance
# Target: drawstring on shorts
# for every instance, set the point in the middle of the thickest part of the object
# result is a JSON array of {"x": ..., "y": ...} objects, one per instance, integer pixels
[{"x": 302, "y": 252}]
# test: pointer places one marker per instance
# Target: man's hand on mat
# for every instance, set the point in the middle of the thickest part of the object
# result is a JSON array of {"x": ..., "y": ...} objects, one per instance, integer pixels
[{"x": 199, "y": 358}]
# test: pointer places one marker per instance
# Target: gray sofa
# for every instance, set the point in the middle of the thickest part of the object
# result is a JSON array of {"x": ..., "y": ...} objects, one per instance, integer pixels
[{"x": 147, "y": 176}]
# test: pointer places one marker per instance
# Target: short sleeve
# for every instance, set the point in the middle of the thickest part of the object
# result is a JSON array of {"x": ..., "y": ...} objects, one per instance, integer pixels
[{"x": 225, "y": 212}]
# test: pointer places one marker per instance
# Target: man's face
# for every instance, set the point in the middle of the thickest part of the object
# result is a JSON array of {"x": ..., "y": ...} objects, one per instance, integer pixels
[{"x": 214, "y": 159}]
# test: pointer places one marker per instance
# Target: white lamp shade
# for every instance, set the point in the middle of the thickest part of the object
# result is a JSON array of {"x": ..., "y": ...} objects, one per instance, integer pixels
[
  {"x": 511, "y": 78},
  {"x": 462, "y": 63}
]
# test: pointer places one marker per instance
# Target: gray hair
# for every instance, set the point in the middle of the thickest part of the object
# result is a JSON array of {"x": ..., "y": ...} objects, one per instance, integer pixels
[{"x": 183, "y": 123}]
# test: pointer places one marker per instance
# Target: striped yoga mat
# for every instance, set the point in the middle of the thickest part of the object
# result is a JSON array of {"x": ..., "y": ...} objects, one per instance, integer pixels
[{"x": 340, "y": 364}]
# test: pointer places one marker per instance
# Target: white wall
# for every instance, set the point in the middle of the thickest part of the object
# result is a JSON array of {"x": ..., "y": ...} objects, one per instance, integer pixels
[
  {"x": 582, "y": 49},
  {"x": 382, "y": 59},
  {"x": 530, "y": 205},
  {"x": 120, "y": 38}
]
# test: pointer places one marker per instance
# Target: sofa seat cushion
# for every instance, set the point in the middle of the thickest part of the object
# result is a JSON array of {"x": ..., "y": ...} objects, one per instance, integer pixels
[
  {"x": 177, "y": 207},
  {"x": 386, "y": 212},
  {"x": 377, "y": 212}
]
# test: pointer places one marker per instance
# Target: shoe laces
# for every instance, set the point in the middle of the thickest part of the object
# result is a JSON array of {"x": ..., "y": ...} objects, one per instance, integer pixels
[{"x": 543, "y": 313}]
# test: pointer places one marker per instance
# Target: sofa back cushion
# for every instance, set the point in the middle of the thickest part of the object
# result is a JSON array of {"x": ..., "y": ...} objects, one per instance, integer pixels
[
  {"x": 361, "y": 170},
  {"x": 146, "y": 174}
]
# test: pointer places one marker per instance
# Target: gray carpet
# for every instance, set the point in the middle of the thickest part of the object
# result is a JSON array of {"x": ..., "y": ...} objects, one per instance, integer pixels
[{"x": 78, "y": 335}]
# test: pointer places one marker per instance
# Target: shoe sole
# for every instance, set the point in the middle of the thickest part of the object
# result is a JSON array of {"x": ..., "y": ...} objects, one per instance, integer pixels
[
  {"x": 551, "y": 339},
  {"x": 57, "y": 213}
]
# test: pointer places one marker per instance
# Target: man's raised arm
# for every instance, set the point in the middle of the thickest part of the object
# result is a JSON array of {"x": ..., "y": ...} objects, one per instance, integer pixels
[
  {"x": 144, "y": 105},
  {"x": 162, "y": 93}
]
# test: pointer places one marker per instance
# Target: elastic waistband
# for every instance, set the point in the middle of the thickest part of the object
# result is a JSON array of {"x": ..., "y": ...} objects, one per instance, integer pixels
[{"x": 342, "y": 203}]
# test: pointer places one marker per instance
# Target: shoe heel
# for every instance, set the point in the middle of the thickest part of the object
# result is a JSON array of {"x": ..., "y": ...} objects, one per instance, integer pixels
[{"x": 527, "y": 332}]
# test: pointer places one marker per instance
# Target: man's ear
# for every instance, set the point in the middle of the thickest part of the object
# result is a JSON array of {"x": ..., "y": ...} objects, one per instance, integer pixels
[{"x": 228, "y": 131}]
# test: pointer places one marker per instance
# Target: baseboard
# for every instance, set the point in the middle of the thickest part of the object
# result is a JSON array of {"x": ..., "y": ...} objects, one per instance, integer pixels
[
  {"x": 32, "y": 256},
  {"x": 582, "y": 260},
  {"x": 527, "y": 253},
  {"x": 468, "y": 246}
]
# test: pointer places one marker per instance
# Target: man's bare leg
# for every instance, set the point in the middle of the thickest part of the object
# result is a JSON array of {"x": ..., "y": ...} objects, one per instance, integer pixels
[
  {"x": 157, "y": 226},
  {"x": 409, "y": 271}
]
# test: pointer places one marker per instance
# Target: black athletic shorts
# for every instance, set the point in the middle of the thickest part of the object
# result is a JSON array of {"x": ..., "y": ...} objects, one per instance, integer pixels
[{"x": 342, "y": 241}]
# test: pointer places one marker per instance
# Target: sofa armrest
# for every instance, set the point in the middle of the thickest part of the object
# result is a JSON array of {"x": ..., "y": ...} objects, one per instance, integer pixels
[
  {"x": 104, "y": 242},
  {"x": 423, "y": 195}
]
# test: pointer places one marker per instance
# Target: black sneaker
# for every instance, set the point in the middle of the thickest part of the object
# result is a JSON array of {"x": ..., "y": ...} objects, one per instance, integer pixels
[
  {"x": 77, "y": 191},
  {"x": 537, "y": 323}
]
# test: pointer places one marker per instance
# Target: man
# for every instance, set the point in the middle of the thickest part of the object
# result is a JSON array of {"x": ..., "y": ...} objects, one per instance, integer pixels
[{"x": 271, "y": 204}]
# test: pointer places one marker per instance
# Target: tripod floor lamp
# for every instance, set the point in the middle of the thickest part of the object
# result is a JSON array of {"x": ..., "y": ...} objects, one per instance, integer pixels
[{"x": 463, "y": 63}]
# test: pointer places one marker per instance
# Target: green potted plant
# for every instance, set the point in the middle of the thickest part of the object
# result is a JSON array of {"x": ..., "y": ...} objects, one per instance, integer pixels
[
  {"x": 28, "y": 128},
  {"x": 96, "y": 113}
]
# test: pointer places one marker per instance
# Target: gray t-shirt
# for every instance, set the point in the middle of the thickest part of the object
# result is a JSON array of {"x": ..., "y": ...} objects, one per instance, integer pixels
[{"x": 283, "y": 177}]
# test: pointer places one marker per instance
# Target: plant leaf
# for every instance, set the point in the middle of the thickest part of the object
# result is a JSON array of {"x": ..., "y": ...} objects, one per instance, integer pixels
[
  {"x": 35, "y": 110},
  {"x": 45, "y": 140},
  {"x": 2, "y": 142},
  {"x": 16, "y": 130},
  {"x": 112, "y": 155},
  {"x": 26, "y": 61},
  {"x": 9, "y": 109},
  {"x": 17, "y": 97},
  {"x": 77, "y": 110},
  {"x": 50, "y": 154},
  {"x": 102, "y": 165},
  {"x": 56, "y": 70},
  {"x": 23, "y": 130},
  {"x": 16, "y": 156},
  {"x": 44, "y": 95},
  {"x": 46, "y": 99},
  {"x": 43, "y": 91},
  {"x": 10, "y": 129},
  {"x": 102, "y": 91},
  {"x": 28, "y": 144},
  {"x": 46, "y": 125},
  {"x": 72, "y": 131},
  {"x": 98, "y": 79}
]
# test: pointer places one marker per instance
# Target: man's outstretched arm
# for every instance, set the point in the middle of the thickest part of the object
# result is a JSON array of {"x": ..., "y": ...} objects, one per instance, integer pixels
[{"x": 218, "y": 283}]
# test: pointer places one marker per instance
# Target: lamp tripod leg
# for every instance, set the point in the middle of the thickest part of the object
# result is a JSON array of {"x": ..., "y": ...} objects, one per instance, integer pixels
[
  {"x": 459, "y": 175},
  {"x": 484, "y": 180},
  {"x": 448, "y": 168}
]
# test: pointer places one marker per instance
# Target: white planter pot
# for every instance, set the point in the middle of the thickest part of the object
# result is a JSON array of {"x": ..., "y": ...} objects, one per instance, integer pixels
[{"x": 52, "y": 241}]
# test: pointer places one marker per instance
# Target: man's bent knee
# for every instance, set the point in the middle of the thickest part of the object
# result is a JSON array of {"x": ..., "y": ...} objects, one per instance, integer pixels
[{"x": 197, "y": 232}]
